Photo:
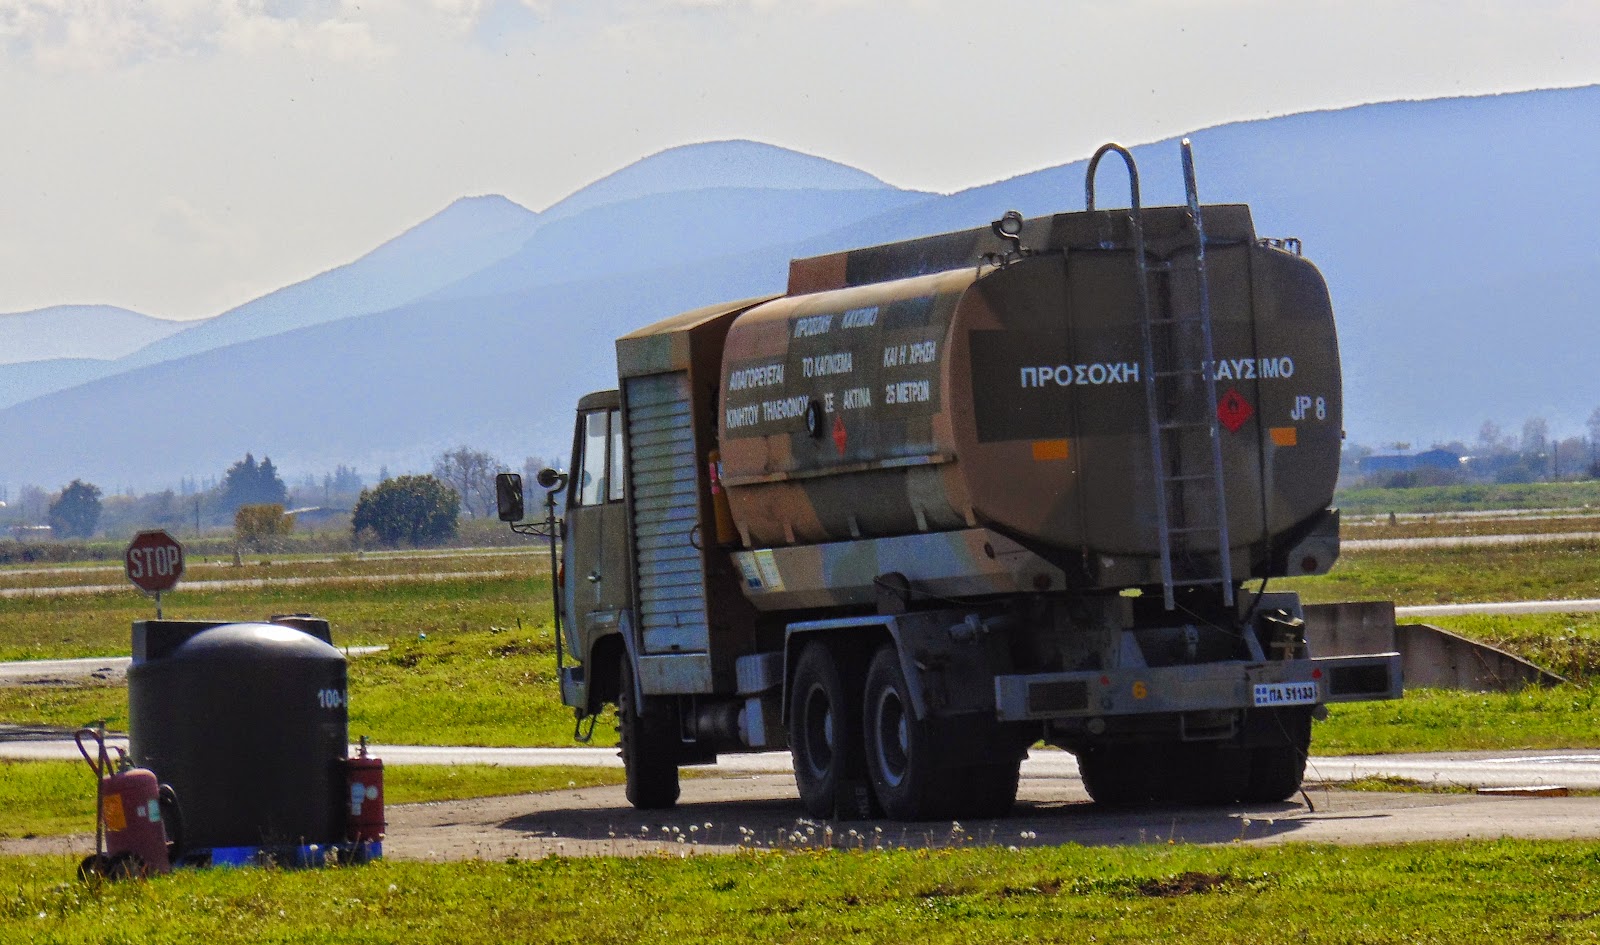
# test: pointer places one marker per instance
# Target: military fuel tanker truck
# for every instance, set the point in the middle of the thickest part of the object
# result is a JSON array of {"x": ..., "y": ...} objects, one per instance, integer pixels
[{"x": 947, "y": 498}]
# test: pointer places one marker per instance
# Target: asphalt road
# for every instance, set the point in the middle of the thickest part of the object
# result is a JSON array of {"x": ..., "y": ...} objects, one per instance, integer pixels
[
  {"x": 761, "y": 810},
  {"x": 1579, "y": 770},
  {"x": 1462, "y": 541},
  {"x": 742, "y": 804},
  {"x": 1579, "y": 606}
]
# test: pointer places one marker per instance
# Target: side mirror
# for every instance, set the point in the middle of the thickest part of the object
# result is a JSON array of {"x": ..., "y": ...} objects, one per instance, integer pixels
[
  {"x": 508, "y": 496},
  {"x": 551, "y": 479}
]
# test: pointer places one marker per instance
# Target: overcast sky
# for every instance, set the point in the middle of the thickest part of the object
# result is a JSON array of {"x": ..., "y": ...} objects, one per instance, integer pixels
[{"x": 180, "y": 157}]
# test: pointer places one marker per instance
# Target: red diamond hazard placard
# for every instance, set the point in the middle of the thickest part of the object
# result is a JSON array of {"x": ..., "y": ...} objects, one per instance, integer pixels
[
  {"x": 840, "y": 437},
  {"x": 1233, "y": 411}
]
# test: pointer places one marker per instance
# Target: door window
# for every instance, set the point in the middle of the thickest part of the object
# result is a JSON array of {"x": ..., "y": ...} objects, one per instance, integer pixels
[
  {"x": 592, "y": 469},
  {"x": 600, "y": 467},
  {"x": 614, "y": 490}
]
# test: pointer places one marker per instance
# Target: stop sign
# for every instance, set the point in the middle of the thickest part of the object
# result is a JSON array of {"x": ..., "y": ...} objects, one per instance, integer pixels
[{"x": 155, "y": 561}]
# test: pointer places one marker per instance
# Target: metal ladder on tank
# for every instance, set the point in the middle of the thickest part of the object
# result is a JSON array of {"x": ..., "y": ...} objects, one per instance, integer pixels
[{"x": 1163, "y": 410}]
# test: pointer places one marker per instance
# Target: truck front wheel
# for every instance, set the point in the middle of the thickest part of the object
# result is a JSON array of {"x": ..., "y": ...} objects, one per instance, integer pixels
[
  {"x": 649, "y": 745},
  {"x": 902, "y": 751},
  {"x": 824, "y": 735}
]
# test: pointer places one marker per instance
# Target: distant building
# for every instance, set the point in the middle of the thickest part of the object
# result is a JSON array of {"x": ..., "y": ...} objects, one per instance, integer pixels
[{"x": 1410, "y": 462}]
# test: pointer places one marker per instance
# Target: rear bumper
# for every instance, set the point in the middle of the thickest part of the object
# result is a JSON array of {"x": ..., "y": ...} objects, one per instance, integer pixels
[{"x": 1203, "y": 687}]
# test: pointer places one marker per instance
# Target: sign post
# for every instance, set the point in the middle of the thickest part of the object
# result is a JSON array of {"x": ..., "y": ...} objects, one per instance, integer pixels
[{"x": 154, "y": 562}]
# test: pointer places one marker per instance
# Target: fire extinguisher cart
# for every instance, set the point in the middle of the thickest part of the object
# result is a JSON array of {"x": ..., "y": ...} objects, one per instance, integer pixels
[{"x": 136, "y": 820}]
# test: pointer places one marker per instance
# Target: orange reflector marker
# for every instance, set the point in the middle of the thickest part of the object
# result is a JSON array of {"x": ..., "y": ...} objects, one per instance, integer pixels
[
  {"x": 112, "y": 812},
  {"x": 1046, "y": 450},
  {"x": 1284, "y": 436}
]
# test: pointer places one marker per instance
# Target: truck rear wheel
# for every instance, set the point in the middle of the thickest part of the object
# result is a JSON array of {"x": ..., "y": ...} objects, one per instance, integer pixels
[
  {"x": 1210, "y": 773},
  {"x": 902, "y": 753},
  {"x": 1277, "y": 771},
  {"x": 649, "y": 745},
  {"x": 1203, "y": 773},
  {"x": 1118, "y": 775},
  {"x": 1275, "y": 774},
  {"x": 825, "y": 731},
  {"x": 990, "y": 790}
]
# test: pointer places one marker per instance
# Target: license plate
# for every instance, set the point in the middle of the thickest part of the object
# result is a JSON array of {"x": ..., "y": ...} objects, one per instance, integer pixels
[{"x": 1271, "y": 694}]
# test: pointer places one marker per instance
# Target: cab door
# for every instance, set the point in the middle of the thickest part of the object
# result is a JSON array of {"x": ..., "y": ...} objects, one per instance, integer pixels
[{"x": 598, "y": 586}]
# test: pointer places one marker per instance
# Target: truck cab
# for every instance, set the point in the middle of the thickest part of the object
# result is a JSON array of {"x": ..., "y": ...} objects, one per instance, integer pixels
[{"x": 596, "y": 579}]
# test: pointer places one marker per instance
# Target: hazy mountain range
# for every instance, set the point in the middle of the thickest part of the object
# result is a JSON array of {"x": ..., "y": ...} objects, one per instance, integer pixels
[
  {"x": 85, "y": 332},
  {"x": 1455, "y": 235}
]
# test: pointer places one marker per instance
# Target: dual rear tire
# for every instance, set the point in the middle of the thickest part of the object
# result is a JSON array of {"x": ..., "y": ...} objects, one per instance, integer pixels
[
  {"x": 825, "y": 730},
  {"x": 846, "y": 730},
  {"x": 1203, "y": 773},
  {"x": 858, "y": 748}
]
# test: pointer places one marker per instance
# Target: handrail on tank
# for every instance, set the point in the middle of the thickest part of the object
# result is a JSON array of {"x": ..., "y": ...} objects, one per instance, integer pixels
[
  {"x": 1191, "y": 194},
  {"x": 1152, "y": 406},
  {"x": 1152, "y": 401},
  {"x": 1094, "y": 164}
]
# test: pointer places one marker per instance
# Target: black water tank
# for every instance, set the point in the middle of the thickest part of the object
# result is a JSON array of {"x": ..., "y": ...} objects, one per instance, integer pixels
[{"x": 248, "y": 723}]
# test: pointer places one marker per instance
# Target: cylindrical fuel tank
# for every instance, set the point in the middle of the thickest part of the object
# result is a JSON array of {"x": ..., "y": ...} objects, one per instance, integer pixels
[
  {"x": 1014, "y": 397},
  {"x": 248, "y": 724}
]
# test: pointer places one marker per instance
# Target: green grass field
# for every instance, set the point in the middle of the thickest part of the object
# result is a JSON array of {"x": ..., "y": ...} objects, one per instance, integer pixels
[
  {"x": 1470, "y": 498},
  {"x": 1440, "y": 893},
  {"x": 472, "y": 660},
  {"x": 461, "y": 669},
  {"x": 1446, "y": 720},
  {"x": 362, "y": 611},
  {"x": 1534, "y": 571},
  {"x": 266, "y": 568},
  {"x": 1446, "y": 527}
]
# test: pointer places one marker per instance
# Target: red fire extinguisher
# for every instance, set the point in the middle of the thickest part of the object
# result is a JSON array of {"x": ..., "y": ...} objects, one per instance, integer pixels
[
  {"x": 134, "y": 813},
  {"x": 364, "y": 821}
]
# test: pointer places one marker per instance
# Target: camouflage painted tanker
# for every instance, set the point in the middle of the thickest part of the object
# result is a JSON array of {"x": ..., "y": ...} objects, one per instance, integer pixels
[{"x": 948, "y": 497}]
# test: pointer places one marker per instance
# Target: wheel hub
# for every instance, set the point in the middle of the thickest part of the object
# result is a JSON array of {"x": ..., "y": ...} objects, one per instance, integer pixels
[
  {"x": 894, "y": 737},
  {"x": 817, "y": 730}
]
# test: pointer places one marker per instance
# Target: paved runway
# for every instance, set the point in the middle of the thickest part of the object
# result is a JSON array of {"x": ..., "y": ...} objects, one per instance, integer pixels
[{"x": 1579, "y": 770}]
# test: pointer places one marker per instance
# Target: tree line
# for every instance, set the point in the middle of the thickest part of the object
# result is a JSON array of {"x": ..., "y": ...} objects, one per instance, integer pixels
[
  {"x": 1533, "y": 454},
  {"x": 252, "y": 496}
]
